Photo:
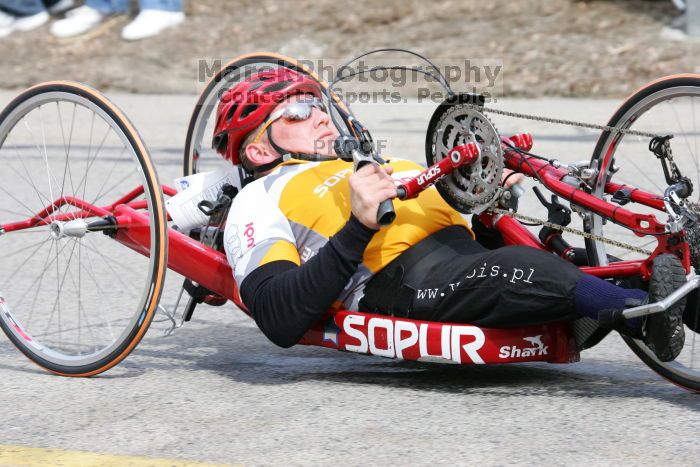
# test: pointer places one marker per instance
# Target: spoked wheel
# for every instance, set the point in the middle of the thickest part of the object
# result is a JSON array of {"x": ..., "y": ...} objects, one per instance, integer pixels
[
  {"x": 669, "y": 106},
  {"x": 74, "y": 300},
  {"x": 199, "y": 156}
]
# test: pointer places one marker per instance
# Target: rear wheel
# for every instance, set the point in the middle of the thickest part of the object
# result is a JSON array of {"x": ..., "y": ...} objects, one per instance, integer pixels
[
  {"x": 667, "y": 106},
  {"x": 74, "y": 301}
]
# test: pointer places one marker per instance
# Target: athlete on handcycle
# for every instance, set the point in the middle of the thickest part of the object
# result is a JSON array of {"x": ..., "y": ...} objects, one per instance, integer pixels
[{"x": 303, "y": 237}]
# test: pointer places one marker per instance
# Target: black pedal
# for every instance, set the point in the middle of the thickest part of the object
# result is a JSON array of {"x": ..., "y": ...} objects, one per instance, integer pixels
[
  {"x": 557, "y": 213},
  {"x": 551, "y": 237},
  {"x": 197, "y": 294},
  {"x": 226, "y": 195}
]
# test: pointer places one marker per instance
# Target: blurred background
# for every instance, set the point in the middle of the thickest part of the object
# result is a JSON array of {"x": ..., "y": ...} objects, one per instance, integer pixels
[{"x": 596, "y": 48}]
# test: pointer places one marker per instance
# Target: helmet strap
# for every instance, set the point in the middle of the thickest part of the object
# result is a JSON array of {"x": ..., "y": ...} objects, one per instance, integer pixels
[{"x": 286, "y": 155}]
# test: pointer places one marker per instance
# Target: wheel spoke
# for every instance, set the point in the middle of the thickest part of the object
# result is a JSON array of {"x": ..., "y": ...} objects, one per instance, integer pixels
[
  {"x": 30, "y": 213},
  {"x": 38, "y": 245},
  {"x": 66, "y": 148},
  {"x": 109, "y": 175},
  {"x": 76, "y": 286},
  {"x": 115, "y": 185},
  {"x": 692, "y": 351},
  {"x": 46, "y": 159},
  {"x": 48, "y": 263},
  {"x": 59, "y": 287},
  {"x": 109, "y": 261},
  {"x": 695, "y": 130},
  {"x": 91, "y": 273},
  {"x": 83, "y": 181},
  {"x": 72, "y": 328},
  {"x": 43, "y": 201},
  {"x": 685, "y": 137},
  {"x": 665, "y": 110},
  {"x": 40, "y": 279},
  {"x": 644, "y": 174},
  {"x": 15, "y": 213}
]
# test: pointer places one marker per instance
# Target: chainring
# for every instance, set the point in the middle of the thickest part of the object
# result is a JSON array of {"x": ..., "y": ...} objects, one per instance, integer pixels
[
  {"x": 473, "y": 188},
  {"x": 693, "y": 237}
]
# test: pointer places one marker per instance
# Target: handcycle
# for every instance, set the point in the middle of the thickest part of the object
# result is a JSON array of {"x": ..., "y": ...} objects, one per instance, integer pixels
[{"x": 80, "y": 185}]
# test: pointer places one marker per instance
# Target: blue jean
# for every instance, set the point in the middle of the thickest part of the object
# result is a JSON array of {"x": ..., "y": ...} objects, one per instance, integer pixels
[
  {"x": 108, "y": 7},
  {"x": 25, "y": 7}
]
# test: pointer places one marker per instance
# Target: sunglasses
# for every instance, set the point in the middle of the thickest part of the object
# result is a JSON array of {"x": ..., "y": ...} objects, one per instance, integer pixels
[{"x": 296, "y": 111}]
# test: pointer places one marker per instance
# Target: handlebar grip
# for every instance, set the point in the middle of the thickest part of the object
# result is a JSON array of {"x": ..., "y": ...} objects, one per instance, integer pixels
[{"x": 386, "y": 213}]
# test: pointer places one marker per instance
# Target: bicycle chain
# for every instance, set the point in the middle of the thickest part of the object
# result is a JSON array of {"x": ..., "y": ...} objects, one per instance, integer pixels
[
  {"x": 560, "y": 121},
  {"x": 563, "y": 228}
]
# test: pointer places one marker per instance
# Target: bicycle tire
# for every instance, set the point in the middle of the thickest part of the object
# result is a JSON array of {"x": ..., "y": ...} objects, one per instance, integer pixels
[
  {"x": 633, "y": 111},
  {"x": 68, "y": 358}
]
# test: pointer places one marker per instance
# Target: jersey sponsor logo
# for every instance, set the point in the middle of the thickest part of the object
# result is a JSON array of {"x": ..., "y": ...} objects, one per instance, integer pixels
[
  {"x": 330, "y": 182},
  {"x": 537, "y": 348},
  {"x": 396, "y": 339},
  {"x": 249, "y": 234},
  {"x": 233, "y": 242},
  {"x": 306, "y": 254}
]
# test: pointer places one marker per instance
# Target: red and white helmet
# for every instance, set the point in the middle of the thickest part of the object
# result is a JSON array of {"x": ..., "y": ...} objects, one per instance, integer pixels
[{"x": 245, "y": 107}]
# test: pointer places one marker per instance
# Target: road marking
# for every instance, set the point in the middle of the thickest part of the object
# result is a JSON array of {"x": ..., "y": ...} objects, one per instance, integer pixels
[{"x": 30, "y": 457}]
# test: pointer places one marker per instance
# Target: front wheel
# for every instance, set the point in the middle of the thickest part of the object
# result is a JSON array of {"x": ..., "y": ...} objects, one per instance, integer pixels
[
  {"x": 74, "y": 301},
  {"x": 668, "y": 106}
]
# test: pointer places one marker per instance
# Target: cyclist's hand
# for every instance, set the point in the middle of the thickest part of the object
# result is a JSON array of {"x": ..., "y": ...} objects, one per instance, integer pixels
[
  {"x": 511, "y": 179},
  {"x": 369, "y": 186}
]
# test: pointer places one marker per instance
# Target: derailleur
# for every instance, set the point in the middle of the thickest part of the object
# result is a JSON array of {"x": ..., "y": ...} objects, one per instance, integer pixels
[
  {"x": 680, "y": 187},
  {"x": 679, "y": 216}
]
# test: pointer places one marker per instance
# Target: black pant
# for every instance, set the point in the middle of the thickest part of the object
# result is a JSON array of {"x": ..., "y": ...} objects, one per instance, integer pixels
[{"x": 451, "y": 278}]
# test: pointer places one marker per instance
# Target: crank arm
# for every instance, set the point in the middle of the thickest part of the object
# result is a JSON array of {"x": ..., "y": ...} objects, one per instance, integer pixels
[
  {"x": 663, "y": 305},
  {"x": 456, "y": 157}
]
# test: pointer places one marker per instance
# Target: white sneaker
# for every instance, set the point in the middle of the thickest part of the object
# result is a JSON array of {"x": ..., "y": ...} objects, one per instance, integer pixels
[
  {"x": 151, "y": 22},
  {"x": 6, "y": 22},
  {"x": 27, "y": 23},
  {"x": 10, "y": 23},
  {"x": 78, "y": 21},
  {"x": 61, "y": 6}
]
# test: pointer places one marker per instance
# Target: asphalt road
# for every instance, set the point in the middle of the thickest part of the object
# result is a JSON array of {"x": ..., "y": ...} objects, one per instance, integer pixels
[{"x": 217, "y": 391}]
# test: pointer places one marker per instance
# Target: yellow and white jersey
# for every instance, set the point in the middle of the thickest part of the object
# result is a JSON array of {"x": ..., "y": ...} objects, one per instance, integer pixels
[{"x": 292, "y": 212}]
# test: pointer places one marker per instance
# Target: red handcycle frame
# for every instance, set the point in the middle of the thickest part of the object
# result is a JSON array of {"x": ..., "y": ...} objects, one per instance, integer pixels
[{"x": 390, "y": 336}]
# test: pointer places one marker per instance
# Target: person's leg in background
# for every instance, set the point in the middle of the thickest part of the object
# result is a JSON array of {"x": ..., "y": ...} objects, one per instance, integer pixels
[
  {"x": 56, "y": 7},
  {"x": 154, "y": 16},
  {"x": 21, "y": 15},
  {"x": 164, "y": 5},
  {"x": 109, "y": 7},
  {"x": 87, "y": 17}
]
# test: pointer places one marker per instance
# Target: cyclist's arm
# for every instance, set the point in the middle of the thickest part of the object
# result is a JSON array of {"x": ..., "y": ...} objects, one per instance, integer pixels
[{"x": 287, "y": 299}]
